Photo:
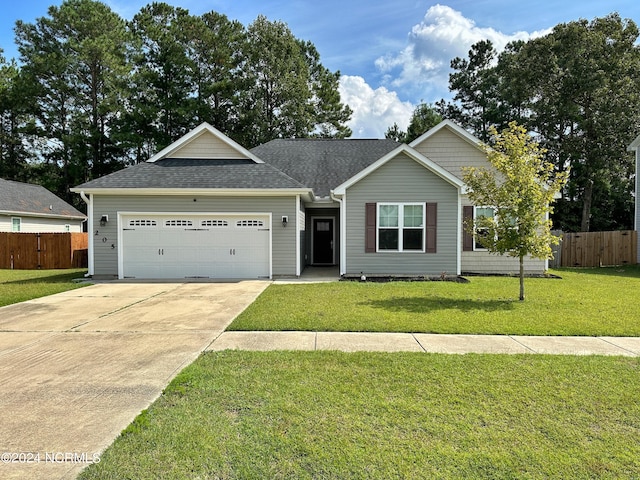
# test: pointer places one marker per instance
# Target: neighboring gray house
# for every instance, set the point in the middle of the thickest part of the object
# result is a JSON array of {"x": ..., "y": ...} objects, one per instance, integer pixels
[
  {"x": 207, "y": 207},
  {"x": 25, "y": 207},
  {"x": 635, "y": 147}
]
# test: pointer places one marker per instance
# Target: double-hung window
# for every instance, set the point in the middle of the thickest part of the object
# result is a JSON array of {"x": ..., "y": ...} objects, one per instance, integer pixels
[
  {"x": 401, "y": 227},
  {"x": 16, "y": 224},
  {"x": 481, "y": 212}
]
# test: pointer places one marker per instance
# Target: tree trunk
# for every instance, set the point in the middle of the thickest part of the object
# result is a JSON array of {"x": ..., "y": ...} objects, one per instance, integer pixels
[
  {"x": 586, "y": 206},
  {"x": 521, "y": 278}
]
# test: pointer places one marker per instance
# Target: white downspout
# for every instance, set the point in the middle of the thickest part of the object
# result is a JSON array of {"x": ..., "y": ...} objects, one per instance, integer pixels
[
  {"x": 298, "y": 230},
  {"x": 343, "y": 233},
  {"x": 89, "y": 202},
  {"x": 460, "y": 233},
  {"x": 637, "y": 200}
]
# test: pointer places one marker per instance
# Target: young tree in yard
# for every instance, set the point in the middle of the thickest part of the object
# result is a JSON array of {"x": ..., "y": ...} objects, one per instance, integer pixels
[{"x": 520, "y": 189}]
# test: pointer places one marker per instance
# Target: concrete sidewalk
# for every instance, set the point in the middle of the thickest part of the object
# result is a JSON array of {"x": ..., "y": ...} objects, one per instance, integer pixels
[{"x": 420, "y": 342}]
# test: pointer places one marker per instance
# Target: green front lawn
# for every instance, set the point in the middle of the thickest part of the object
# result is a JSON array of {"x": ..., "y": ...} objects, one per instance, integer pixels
[
  {"x": 317, "y": 415},
  {"x": 21, "y": 285},
  {"x": 329, "y": 415},
  {"x": 590, "y": 302}
]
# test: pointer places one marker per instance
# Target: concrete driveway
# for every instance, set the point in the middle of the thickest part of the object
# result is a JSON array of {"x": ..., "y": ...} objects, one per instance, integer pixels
[{"x": 76, "y": 368}]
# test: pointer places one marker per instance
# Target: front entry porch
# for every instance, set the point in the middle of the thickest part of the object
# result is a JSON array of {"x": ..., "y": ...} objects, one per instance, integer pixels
[{"x": 323, "y": 237}]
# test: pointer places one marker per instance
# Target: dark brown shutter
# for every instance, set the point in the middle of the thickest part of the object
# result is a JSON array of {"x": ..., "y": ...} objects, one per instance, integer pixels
[
  {"x": 467, "y": 221},
  {"x": 432, "y": 223},
  {"x": 370, "y": 228}
]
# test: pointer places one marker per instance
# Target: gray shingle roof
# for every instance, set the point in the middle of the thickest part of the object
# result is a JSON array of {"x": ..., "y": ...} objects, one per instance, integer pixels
[
  {"x": 32, "y": 199},
  {"x": 323, "y": 164},
  {"x": 195, "y": 174}
]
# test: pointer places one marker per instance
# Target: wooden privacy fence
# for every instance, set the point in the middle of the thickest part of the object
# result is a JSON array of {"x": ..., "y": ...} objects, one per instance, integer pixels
[
  {"x": 595, "y": 249},
  {"x": 31, "y": 251}
]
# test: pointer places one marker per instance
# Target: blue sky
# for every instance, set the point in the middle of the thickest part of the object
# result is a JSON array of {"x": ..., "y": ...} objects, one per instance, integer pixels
[{"x": 392, "y": 55}]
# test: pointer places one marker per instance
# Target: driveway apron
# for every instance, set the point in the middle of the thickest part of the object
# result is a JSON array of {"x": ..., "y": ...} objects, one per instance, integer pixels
[{"x": 76, "y": 368}]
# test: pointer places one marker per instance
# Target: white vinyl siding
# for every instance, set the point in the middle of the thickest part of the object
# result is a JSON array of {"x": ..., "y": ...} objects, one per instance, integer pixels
[{"x": 30, "y": 224}]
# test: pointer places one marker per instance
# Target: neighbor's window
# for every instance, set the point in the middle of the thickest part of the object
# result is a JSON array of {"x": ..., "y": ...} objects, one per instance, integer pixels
[
  {"x": 401, "y": 227},
  {"x": 16, "y": 223}
]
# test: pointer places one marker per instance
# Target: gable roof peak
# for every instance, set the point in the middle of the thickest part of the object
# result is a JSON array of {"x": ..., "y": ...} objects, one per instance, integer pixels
[
  {"x": 201, "y": 129},
  {"x": 452, "y": 126},
  {"x": 411, "y": 153}
]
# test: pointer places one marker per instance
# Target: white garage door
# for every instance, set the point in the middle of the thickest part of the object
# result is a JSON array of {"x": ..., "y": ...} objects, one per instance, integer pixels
[{"x": 195, "y": 246}]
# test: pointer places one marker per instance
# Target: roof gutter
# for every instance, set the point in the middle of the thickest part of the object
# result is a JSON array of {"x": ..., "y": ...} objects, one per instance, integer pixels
[
  {"x": 138, "y": 191},
  {"x": 17, "y": 213}
]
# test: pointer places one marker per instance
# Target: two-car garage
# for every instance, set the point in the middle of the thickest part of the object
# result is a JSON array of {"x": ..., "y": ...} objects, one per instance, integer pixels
[{"x": 175, "y": 245}]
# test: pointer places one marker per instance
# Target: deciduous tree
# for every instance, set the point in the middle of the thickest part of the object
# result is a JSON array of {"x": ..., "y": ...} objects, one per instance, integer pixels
[{"x": 520, "y": 187}]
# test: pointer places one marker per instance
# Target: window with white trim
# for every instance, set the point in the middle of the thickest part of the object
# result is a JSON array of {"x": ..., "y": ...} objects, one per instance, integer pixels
[
  {"x": 487, "y": 212},
  {"x": 16, "y": 224},
  {"x": 480, "y": 212},
  {"x": 401, "y": 227}
]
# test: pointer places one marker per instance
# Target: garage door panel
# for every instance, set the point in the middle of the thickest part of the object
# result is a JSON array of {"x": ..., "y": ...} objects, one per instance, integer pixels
[{"x": 179, "y": 246}]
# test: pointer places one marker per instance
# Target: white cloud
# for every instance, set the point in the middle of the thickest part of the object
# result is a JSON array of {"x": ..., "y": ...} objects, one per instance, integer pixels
[
  {"x": 422, "y": 67},
  {"x": 373, "y": 110}
]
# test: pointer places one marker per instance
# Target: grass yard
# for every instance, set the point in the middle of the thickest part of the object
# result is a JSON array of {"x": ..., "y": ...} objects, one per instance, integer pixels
[
  {"x": 329, "y": 415},
  {"x": 589, "y": 302},
  {"x": 21, "y": 285}
]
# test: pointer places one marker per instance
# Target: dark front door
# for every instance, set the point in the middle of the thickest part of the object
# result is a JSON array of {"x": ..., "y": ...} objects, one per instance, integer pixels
[{"x": 323, "y": 241}]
